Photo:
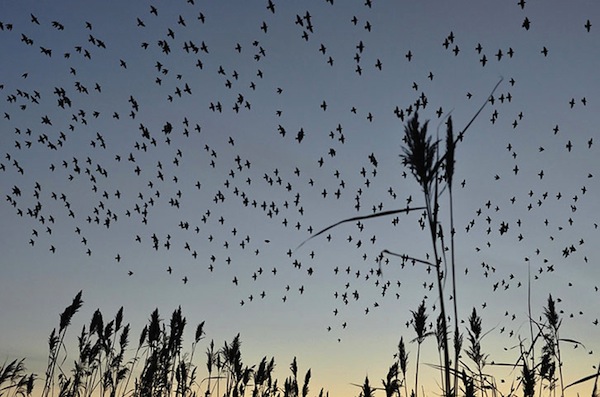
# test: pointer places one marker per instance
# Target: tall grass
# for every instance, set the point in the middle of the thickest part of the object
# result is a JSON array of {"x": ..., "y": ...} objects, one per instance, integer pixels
[
  {"x": 421, "y": 155},
  {"x": 56, "y": 343},
  {"x": 106, "y": 365},
  {"x": 433, "y": 170},
  {"x": 420, "y": 326},
  {"x": 14, "y": 381}
]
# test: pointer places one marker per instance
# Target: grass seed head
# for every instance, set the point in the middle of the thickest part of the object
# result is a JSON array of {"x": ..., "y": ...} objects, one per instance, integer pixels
[
  {"x": 450, "y": 148},
  {"x": 551, "y": 314},
  {"x": 420, "y": 152},
  {"x": 69, "y": 312}
]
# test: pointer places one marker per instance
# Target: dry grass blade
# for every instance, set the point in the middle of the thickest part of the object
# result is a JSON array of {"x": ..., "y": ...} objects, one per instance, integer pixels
[
  {"x": 461, "y": 134},
  {"x": 585, "y": 379},
  {"x": 573, "y": 341},
  {"x": 407, "y": 257},
  {"x": 360, "y": 218}
]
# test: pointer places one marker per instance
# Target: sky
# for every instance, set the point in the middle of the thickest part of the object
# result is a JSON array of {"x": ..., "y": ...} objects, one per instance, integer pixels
[{"x": 213, "y": 138}]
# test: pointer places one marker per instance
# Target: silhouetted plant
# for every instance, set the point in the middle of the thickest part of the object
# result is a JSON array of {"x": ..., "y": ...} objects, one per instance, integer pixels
[
  {"x": 391, "y": 383},
  {"x": 403, "y": 362},
  {"x": 419, "y": 325},
  {"x": 14, "y": 381},
  {"x": 449, "y": 177},
  {"x": 366, "y": 389},
  {"x": 262, "y": 378},
  {"x": 291, "y": 386},
  {"x": 552, "y": 339},
  {"x": 211, "y": 362},
  {"x": 468, "y": 384},
  {"x": 474, "y": 351},
  {"x": 421, "y": 154},
  {"x": 548, "y": 366},
  {"x": 528, "y": 378},
  {"x": 56, "y": 343},
  {"x": 102, "y": 367},
  {"x": 166, "y": 370}
]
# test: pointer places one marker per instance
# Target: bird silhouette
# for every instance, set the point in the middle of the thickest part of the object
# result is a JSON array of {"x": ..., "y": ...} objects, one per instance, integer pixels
[{"x": 171, "y": 131}]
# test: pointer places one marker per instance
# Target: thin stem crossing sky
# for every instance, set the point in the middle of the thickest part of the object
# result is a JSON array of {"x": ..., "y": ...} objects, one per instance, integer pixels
[{"x": 177, "y": 153}]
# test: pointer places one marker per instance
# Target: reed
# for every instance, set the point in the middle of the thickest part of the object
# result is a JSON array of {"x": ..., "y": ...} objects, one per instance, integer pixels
[
  {"x": 419, "y": 325},
  {"x": 14, "y": 379},
  {"x": 159, "y": 366},
  {"x": 103, "y": 366},
  {"x": 432, "y": 168}
]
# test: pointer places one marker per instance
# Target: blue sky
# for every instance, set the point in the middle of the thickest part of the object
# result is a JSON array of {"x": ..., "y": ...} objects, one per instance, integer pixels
[{"x": 280, "y": 80}]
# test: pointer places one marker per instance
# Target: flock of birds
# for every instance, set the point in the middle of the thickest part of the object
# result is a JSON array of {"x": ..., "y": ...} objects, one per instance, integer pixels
[{"x": 103, "y": 141}]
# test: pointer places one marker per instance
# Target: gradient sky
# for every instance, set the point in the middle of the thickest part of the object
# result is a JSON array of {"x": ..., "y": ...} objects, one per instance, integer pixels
[{"x": 282, "y": 78}]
